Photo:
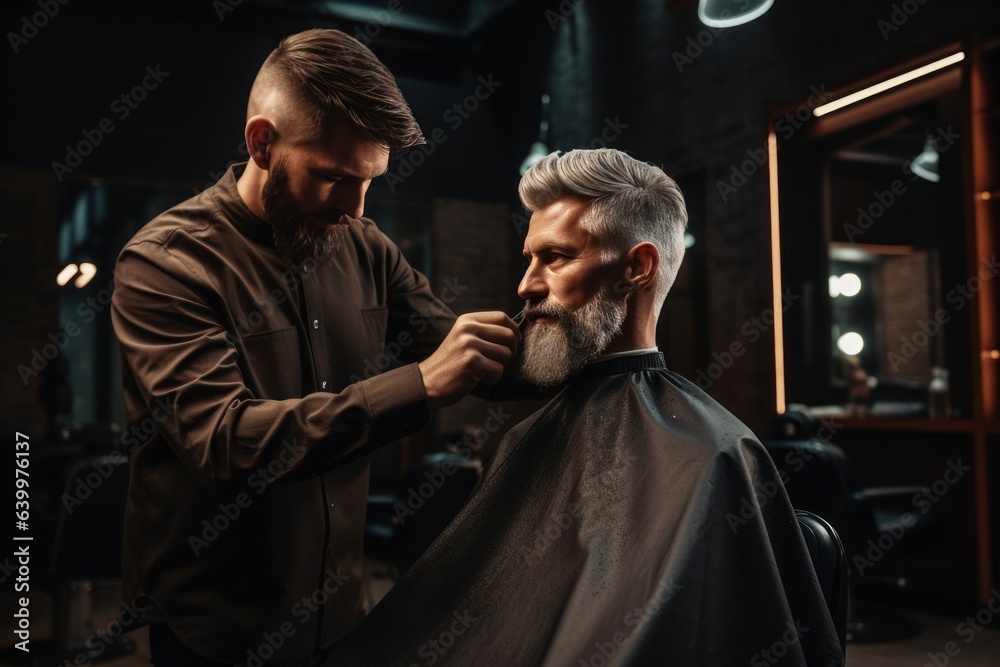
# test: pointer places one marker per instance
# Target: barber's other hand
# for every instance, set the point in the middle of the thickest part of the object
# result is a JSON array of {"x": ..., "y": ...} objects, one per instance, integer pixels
[{"x": 477, "y": 349}]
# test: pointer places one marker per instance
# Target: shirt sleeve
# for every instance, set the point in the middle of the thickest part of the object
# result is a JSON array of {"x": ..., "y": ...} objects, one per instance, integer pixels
[{"x": 166, "y": 318}]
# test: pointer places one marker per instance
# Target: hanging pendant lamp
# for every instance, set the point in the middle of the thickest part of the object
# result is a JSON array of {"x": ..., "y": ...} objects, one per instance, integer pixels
[{"x": 728, "y": 13}]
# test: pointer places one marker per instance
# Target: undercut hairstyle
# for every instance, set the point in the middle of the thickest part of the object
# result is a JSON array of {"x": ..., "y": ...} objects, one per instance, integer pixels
[
  {"x": 631, "y": 202},
  {"x": 331, "y": 77}
]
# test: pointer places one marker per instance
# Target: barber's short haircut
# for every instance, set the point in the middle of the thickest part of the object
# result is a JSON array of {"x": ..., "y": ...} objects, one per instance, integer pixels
[
  {"x": 332, "y": 76},
  {"x": 631, "y": 202}
]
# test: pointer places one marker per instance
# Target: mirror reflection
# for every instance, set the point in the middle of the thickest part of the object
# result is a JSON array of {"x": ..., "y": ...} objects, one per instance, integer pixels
[
  {"x": 874, "y": 239},
  {"x": 888, "y": 221}
]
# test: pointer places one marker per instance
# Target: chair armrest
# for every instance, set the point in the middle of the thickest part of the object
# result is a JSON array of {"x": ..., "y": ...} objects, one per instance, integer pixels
[{"x": 887, "y": 493}]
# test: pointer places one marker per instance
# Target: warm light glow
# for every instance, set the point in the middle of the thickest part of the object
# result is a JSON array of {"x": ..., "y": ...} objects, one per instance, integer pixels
[
  {"x": 851, "y": 343},
  {"x": 64, "y": 276},
  {"x": 889, "y": 83},
  {"x": 834, "y": 286},
  {"x": 779, "y": 323},
  {"x": 850, "y": 284},
  {"x": 992, "y": 354},
  {"x": 87, "y": 271}
]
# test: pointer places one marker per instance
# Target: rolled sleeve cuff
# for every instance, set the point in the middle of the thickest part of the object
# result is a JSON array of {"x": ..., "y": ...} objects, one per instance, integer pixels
[{"x": 397, "y": 403}]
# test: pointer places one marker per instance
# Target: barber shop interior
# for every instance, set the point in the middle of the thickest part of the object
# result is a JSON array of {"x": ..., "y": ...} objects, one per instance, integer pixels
[{"x": 552, "y": 333}]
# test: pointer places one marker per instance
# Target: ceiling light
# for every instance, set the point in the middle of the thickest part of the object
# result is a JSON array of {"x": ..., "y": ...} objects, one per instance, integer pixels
[
  {"x": 538, "y": 149},
  {"x": 925, "y": 165},
  {"x": 887, "y": 84},
  {"x": 729, "y": 13},
  {"x": 537, "y": 152}
]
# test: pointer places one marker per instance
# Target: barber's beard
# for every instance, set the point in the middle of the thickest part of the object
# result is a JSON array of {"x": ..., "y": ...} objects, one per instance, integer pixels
[
  {"x": 553, "y": 350},
  {"x": 294, "y": 238}
]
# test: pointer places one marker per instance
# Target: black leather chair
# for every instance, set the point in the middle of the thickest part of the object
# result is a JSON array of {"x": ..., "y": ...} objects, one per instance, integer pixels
[
  {"x": 819, "y": 479},
  {"x": 830, "y": 563}
]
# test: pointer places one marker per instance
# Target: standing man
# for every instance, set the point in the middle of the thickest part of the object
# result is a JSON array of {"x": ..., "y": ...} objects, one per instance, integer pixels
[{"x": 242, "y": 314}]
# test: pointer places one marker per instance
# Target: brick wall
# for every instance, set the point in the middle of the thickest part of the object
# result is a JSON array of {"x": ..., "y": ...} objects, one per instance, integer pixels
[{"x": 904, "y": 301}]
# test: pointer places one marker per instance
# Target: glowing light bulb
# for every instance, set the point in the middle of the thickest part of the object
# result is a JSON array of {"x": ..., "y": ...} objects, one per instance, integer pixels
[
  {"x": 851, "y": 343},
  {"x": 850, "y": 284},
  {"x": 68, "y": 272},
  {"x": 87, "y": 271},
  {"x": 834, "y": 286}
]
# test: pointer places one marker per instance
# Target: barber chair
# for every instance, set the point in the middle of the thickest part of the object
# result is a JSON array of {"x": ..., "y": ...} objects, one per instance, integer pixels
[
  {"x": 402, "y": 522},
  {"x": 830, "y": 563},
  {"x": 87, "y": 548},
  {"x": 819, "y": 479}
]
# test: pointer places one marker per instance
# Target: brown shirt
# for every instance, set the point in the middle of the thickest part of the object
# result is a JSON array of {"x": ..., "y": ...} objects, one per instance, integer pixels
[{"x": 253, "y": 379}]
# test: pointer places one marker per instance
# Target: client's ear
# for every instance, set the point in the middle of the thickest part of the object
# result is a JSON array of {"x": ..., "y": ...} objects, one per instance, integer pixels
[{"x": 643, "y": 263}]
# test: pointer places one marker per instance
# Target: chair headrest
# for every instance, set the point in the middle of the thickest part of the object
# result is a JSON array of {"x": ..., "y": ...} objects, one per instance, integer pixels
[{"x": 794, "y": 425}]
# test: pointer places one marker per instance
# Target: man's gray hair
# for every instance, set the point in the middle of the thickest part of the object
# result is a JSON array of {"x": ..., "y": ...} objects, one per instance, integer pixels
[{"x": 631, "y": 202}]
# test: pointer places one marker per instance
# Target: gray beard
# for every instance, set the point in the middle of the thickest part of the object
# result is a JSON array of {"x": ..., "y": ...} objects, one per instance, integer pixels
[{"x": 554, "y": 350}]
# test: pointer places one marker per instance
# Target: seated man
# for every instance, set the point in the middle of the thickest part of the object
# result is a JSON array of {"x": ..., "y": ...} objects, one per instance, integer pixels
[{"x": 621, "y": 524}]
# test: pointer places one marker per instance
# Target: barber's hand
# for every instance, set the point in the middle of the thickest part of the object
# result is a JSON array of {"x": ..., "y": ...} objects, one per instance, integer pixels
[{"x": 476, "y": 350}]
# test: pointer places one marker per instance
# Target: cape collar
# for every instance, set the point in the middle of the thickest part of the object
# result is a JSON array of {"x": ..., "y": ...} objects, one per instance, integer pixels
[{"x": 641, "y": 362}]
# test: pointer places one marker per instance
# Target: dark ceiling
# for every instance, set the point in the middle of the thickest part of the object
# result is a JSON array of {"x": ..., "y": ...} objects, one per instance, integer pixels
[{"x": 447, "y": 18}]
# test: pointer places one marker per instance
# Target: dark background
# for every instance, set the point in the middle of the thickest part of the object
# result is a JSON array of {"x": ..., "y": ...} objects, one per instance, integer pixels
[{"x": 642, "y": 76}]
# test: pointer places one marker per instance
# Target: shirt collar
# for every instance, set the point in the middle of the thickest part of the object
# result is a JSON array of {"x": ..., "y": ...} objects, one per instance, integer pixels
[{"x": 238, "y": 214}]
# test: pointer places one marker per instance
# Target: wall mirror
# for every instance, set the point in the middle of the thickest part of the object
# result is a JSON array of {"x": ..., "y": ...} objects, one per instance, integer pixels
[{"x": 873, "y": 253}]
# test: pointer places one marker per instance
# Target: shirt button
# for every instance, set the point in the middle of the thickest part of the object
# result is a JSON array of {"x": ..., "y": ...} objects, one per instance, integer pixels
[
  {"x": 323, "y": 386},
  {"x": 315, "y": 324}
]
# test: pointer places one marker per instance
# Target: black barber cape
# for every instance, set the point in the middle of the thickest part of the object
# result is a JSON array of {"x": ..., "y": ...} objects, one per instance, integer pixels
[{"x": 631, "y": 521}]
